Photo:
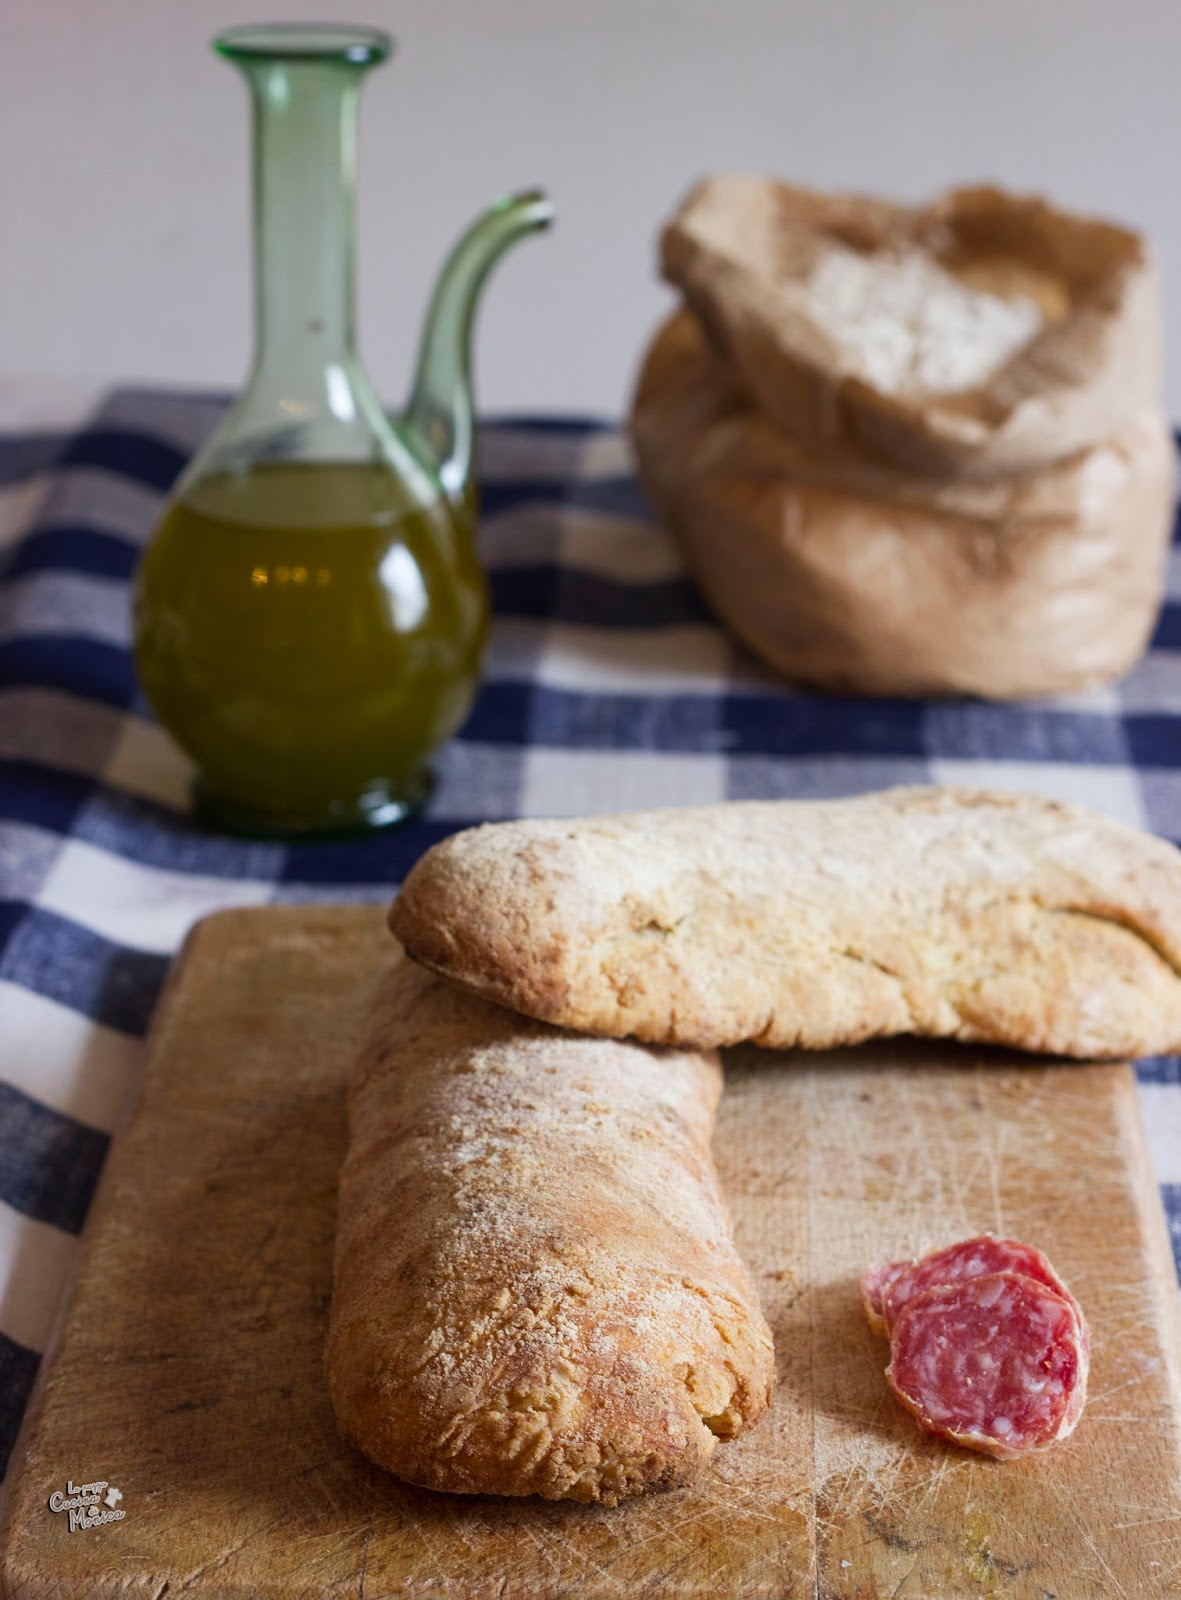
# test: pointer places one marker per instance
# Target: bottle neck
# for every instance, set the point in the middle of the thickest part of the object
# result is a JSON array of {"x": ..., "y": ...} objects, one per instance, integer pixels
[{"x": 305, "y": 118}]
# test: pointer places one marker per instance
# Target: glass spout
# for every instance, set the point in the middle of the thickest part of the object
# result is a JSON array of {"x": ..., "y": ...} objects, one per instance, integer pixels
[{"x": 439, "y": 421}]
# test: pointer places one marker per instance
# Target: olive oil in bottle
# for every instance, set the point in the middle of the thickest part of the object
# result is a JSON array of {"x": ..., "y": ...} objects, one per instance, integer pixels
[{"x": 309, "y": 635}]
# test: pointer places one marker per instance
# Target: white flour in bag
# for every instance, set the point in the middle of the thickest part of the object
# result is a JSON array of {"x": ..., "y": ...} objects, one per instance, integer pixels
[{"x": 904, "y": 324}]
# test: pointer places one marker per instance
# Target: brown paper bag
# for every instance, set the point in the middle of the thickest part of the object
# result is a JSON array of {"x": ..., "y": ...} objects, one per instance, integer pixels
[{"x": 848, "y": 573}]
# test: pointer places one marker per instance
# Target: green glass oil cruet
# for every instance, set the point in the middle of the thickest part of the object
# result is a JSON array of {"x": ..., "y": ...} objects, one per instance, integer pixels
[{"x": 310, "y": 614}]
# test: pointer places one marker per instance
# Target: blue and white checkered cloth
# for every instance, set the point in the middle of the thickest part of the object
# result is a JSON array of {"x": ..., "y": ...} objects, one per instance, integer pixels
[{"x": 607, "y": 686}]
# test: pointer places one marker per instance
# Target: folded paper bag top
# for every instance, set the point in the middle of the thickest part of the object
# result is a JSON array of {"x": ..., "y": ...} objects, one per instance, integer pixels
[{"x": 983, "y": 334}]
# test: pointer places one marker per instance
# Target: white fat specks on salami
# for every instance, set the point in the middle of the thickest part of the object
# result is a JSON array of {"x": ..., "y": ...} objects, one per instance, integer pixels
[
  {"x": 996, "y": 1362},
  {"x": 888, "y": 1290}
]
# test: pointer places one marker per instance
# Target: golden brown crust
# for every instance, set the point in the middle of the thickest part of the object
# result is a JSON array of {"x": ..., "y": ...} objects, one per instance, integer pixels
[
  {"x": 948, "y": 912},
  {"x": 536, "y": 1289}
]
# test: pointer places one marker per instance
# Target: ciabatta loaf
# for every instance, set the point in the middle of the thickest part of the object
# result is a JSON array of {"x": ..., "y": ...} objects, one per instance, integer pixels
[
  {"x": 948, "y": 912},
  {"x": 536, "y": 1288}
]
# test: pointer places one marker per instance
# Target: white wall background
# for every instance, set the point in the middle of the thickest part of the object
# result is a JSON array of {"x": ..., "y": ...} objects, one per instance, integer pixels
[{"x": 124, "y": 168}]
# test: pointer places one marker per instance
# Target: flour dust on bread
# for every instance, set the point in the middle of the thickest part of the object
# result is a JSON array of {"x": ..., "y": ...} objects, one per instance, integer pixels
[
  {"x": 536, "y": 1288},
  {"x": 1011, "y": 919}
]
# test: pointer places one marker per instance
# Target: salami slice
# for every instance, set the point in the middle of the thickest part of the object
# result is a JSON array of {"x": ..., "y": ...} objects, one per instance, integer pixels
[
  {"x": 995, "y": 1362},
  {"x": 888, "y": 1290},
  {"x": 873, "y": 1292}
]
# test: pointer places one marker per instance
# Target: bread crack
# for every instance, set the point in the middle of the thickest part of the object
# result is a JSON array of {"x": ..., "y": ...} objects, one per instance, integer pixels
[{"x": 1111, "y": 917}]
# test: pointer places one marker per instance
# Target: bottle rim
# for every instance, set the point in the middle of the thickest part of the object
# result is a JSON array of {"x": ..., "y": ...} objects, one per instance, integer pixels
[{"x": 305, "y": 41}]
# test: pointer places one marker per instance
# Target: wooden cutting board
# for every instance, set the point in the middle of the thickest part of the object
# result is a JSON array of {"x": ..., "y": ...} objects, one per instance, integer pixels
[{"x": 187, "y": 1370}]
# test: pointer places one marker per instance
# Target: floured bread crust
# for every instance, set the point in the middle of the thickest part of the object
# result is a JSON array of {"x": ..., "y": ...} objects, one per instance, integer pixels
[
  {"x": 948, "y": 912},
  {"x": 536, "y": 1288}
]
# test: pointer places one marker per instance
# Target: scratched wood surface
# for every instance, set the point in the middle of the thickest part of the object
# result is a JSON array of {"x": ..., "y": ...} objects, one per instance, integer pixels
[{"x": 187, "y": 1370}]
